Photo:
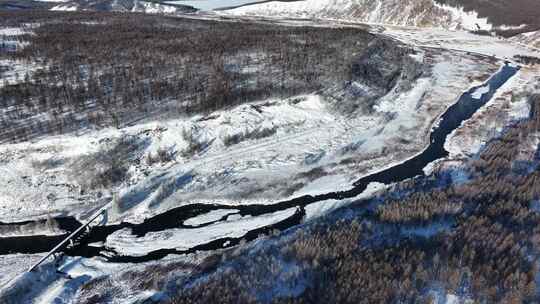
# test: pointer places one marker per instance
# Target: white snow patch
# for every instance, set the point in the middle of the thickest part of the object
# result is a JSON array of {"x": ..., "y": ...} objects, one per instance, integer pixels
[
  {"x": 65, "y": 8},
  {"x": 511, "y": 27},
  {"x": 325, "y": 184},
  {"x": 441, "y": 296},
  {"x": 30, "y": 229},
  {"x": 154, "y": 8},
  {"x": 13, "y": 265},
  {"x": 11, "y": 31},
  {"x": 321, "y": 208}
]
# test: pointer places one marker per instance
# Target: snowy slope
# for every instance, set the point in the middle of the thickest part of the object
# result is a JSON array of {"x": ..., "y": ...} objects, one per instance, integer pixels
[
  {"x": 425, "y": 13},
  {"x": 121, "y": 6}
]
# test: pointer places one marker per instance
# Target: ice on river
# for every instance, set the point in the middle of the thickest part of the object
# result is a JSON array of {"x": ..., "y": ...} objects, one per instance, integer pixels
[
  {"x": 478, "y": 93},
  {"x": 125, "y": 243}
]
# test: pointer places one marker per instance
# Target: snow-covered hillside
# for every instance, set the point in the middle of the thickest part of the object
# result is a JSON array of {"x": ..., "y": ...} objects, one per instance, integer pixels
[
  {"x": 120, "y": 6},
  {"x": 423, "y": 13}
]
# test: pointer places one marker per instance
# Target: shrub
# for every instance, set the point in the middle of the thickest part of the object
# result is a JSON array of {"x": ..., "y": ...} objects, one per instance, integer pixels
[
  {"x": 107, "y": 167},
  {"x": 195, "y": 144},
  {"x": 162, "y": 156},
  {"x": 258, "y": 133}
]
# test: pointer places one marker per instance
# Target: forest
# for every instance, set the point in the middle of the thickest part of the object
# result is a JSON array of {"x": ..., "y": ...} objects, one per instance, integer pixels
[{"x": 93, "y": 70}]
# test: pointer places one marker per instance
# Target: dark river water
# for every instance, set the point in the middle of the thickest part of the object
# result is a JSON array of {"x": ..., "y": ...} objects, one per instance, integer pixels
[{"x": 462, "y": 110}]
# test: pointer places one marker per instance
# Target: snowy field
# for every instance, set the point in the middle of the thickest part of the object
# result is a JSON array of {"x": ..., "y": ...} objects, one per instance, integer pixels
[{"x": 530, "y": 39}]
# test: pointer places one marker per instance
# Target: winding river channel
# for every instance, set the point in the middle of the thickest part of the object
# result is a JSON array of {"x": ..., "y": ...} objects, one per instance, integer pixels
[{"x": 462, "y": 110}]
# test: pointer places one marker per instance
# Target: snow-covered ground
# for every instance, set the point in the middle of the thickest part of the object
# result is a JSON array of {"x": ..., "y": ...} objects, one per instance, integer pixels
[
  {"x": 308, "y": 146},
  {"x": 58, "y": 1},
  {"x": 14, "y": 71},
  {"x": 13, "y": 265},
  {"x": 32, "y": 228},
  {"x": 208, "y": 5},
  {"x": 460, "y": 40},
  {"x": 324, "y": 207},
  {"x": 64, "y": 8},
  {"x": 441, "y": 296}
]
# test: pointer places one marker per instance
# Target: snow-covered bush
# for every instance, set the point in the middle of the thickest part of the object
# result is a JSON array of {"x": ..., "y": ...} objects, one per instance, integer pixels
[
  {"x": 195, "y": 143},
  {"x": 233, "y": 139},
  {"x": 162, "y": 155}
]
